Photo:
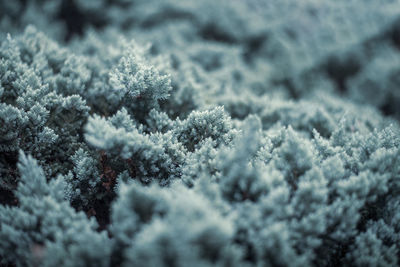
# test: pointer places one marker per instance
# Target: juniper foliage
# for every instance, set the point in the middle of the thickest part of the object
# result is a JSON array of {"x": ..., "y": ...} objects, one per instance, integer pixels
[{"x": 199, "y": 133}]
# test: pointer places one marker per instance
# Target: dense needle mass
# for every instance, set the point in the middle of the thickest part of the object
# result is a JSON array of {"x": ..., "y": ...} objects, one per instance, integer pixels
[{"x": 199, "y": 133}]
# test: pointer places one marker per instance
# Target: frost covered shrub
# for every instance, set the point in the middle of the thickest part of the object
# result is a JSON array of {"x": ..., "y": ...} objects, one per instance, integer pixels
[
  {"x": 45, "y": 229},
  {"x": 199, "y": 133}
]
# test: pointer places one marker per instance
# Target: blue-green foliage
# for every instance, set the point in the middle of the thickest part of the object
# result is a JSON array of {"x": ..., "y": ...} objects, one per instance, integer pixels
[
  {"x": 35, "y": 117},
  {"x": 199, "y": 133},
  {"x": 44, "y": 229},
  {"x": 148, "y": 223},
  {"x": 157, "y": 155}
]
